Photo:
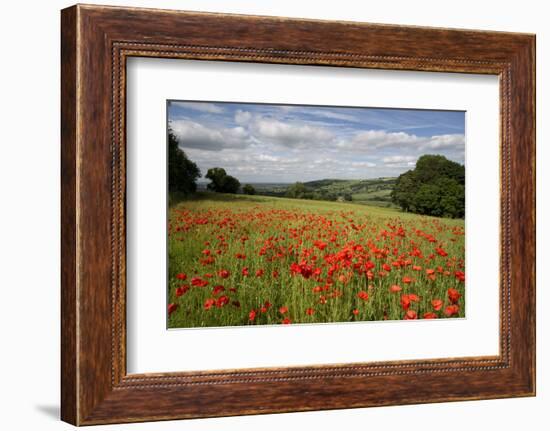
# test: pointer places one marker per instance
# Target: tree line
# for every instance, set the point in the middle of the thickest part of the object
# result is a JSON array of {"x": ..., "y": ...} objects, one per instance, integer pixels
[{"x": 299, "y": 190}]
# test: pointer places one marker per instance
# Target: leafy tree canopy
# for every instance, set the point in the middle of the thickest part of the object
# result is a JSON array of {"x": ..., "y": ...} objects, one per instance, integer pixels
[
  {"x": 249, "y": 189},
  {"x": 220, "y": 182},
  {"x": 434, "y": 187}
]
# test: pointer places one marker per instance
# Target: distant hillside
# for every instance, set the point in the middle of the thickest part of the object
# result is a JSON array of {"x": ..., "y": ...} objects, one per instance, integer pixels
[
  {"x": 325, "y": 182},
  {"x": 370, "y": 191}
]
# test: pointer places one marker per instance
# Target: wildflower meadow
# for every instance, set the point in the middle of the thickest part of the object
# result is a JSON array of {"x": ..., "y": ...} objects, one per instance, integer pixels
[{"x": 237, "y": 260}]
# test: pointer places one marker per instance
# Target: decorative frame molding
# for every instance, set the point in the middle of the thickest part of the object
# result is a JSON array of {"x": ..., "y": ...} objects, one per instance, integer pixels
[{"x": 96, "y": 41}]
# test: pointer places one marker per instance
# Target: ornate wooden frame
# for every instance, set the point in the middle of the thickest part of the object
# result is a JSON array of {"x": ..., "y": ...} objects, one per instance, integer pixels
[{"x": 95, "y": 43}]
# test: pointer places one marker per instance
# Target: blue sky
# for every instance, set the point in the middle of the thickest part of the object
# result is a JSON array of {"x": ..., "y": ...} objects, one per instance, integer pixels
[{"x": 288, "y": 143}]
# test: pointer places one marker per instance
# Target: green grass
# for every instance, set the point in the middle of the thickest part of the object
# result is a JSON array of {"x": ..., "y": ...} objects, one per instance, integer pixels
[
  {"x": 209, "y": 231},
  {"x": 373, "y": 191}
]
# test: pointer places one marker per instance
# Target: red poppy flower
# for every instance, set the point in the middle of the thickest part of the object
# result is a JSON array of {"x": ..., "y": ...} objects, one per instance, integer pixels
[
  {"x": 437, "y": 304},
  {"x": 413, "y": 297},
  {"x": 224, "y": 273},
  {"x": 245, "y": 272},
  {"x": 410, "y": 315},
  {"x": 221, "y": 301},
  {"x": 395, "y": 288},
  {"x": 259, "y": 272},
  {"x": 283, "y": 310},
  {"x": 172, "y": 307},
  {"x": 217, "y": 289},
  {"x": 407, "y": 280},
  {"x": 303, "y": 269},
  {"x": 370, "y": 265},
  {"x": 209, "y": 303},
  {"x": 405, "y": 302},
  {"x": 430, "y": 315},
  {"x": 320, "y": 245},
  {"x": 198, "y": 282},
  {"x": 451, "y": 310},
  {"x": 355, "y": 311},
  {"x": 286, "y": 321},
  {"x": 441, "y": 252},
  {"x": 453, "y": 295},
  {"x": 252, "y": 315},
  {"x": 310, "y": 311},
  {"x": 460, "y": 276},
  {"x": 386, "y": 267},
  {"x": 181, "y": 276},
  {"x": 363, "y": 295},
  {"x": 182, "y": 290}
]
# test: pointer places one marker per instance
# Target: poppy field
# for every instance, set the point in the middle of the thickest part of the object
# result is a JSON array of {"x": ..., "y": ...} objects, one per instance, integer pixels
[{"x": 237, "y": 260}]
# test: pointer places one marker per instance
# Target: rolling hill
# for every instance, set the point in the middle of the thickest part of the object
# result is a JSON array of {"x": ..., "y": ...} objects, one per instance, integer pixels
[{"x": 368, "y": 191}]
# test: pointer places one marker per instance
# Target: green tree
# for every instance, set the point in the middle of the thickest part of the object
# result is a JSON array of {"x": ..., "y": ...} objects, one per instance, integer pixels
[
  {"x": 431, "y": 167},
  {"x": 216, "y": 177},
  {"x": 451, "y": 197},
  {"x": 426, "y": 200},
  {"x": 249, "y": 189},
  {"x": 220, "y": 182},
  {"x": 231, "y": 185},
  {"x": 297, "y": 191},
  {"x": 404, "y": 191},
  {"x": 182, "y": 172},
  {"x": 434, "y": 187}
]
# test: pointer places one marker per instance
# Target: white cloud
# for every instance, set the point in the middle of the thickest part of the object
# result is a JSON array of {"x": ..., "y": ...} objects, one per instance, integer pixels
[
  {"x": 195, "y": 135},
  {"x": 363, "y": 164},
  {"x": 268, "y": 158},
  {"x": 382, "y": 140},
  {"x": 242, "y": 117},
  {"x": 290, "y": 135},
  {"x": 376, "y": 139},
  {"x": 446, "y": 141},
  {"x": 399, "y": 159}
]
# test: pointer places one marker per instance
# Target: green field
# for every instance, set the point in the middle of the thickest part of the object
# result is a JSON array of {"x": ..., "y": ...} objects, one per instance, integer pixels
[
  {"x": 242, "y": 260},
  {"x": 372, "y": 192}
]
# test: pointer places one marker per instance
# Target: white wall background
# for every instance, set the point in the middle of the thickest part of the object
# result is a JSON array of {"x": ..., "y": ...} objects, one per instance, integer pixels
[{"x": 29, "y": 215}]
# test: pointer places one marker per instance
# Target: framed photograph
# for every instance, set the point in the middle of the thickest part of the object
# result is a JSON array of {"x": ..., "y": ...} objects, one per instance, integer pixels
[{"x": 263, "y": 214}]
